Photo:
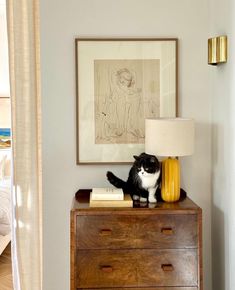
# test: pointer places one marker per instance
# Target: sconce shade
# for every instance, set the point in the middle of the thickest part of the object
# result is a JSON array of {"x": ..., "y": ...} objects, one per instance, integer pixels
[
  {"x": 217, "y": 50},
  {"x": 169, "y": 137}
]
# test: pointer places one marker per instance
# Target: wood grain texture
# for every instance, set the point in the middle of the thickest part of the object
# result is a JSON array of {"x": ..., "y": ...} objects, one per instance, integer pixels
[
  {"x": 200, "y": 264},
  {"x": 72, "y": 250},
  {"x": 144, "y": 288},
  {"x": 150, "y": 247},
  {"x": 81, "y": 206},
  {"x": 164, "y": 231},
  {"x": 6, "y": 270},
  {"x": 132, "y": 268}
]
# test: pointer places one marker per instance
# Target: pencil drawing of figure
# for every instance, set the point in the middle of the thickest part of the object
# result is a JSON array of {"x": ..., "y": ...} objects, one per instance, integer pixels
[
  {"x": 128, "y": 101},
  {"x": 119, "y": 106}
]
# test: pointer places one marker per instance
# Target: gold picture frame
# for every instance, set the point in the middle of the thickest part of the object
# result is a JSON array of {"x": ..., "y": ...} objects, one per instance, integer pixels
[{"x": 119, "y": 83}]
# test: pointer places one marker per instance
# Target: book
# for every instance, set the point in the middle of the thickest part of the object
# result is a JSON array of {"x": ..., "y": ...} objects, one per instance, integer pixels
[
  {"x": 126, "y": 202},
  {"x": 107, "y": 194}
]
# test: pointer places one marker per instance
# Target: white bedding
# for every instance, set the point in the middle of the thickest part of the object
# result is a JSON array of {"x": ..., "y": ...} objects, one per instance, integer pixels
[{"x": 5, "y": 206}]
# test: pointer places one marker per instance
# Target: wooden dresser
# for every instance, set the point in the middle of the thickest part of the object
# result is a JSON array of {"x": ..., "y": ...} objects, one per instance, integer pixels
[{"x": 152, "y": 247}]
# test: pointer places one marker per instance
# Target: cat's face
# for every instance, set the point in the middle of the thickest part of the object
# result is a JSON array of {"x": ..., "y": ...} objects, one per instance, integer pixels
[{"x": 146, "y": 164}]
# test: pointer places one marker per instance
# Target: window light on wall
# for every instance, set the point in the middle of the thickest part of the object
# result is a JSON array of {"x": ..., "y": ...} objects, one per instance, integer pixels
[
  {"x": 5, "y": 111},
  {"x": 4, "y": 65}
]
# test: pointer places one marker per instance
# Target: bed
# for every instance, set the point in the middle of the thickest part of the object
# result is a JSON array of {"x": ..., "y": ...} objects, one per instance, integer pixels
[{"x": 5, "y": 199}]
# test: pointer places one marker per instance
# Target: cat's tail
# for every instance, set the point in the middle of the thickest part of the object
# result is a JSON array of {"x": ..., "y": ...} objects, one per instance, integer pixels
[{"x": 117, "y": 182}]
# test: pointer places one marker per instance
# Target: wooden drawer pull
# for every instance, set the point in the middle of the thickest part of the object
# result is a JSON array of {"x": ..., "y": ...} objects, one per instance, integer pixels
[
  {"x": 106, "y": 268},
  {"x": 105, "y": 232},
  {"x": 167, "y": 267},
  {"x": 167, "y": 231}
]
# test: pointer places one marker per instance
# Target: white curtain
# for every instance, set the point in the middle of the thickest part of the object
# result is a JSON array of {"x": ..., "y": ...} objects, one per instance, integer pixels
[{"x": 24, "y": 52}]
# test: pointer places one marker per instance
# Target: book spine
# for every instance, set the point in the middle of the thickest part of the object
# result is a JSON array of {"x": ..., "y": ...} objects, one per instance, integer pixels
[
  {"x": 107, "y": 196},
  {"x": 96, "y": 203}
]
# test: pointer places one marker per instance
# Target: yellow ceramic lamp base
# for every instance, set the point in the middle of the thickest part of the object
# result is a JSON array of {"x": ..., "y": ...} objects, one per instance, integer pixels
[{"x": 170, "y": 187}]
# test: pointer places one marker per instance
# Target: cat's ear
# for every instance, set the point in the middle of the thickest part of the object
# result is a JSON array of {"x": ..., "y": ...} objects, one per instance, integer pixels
[
  {"x": 153, "y": 159},
  {"x": 136, "y": 157}
]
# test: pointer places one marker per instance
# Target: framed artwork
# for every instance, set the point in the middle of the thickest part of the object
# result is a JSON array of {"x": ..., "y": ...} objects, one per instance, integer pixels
[
  {"x": 5, "y": 138},
  {"x": 120, "y": 83}
]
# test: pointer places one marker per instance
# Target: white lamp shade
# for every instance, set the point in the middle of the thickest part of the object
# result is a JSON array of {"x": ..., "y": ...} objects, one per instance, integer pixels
[{"x": 169, "y": 137}]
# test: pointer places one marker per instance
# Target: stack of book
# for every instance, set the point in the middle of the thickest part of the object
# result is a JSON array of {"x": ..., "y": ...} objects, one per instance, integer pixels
[{"x": 109, "y": 197}]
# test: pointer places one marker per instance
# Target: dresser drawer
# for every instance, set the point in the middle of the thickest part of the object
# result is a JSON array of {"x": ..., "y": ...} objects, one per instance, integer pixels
[
  {"x": 144, "y": 288},
  {"x": 152, "y": 231},
  {"x": 136, "y": 268}
]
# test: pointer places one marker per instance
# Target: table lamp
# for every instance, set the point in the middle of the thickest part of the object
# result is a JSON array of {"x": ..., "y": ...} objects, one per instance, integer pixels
[{"x": 172, "y": 138}]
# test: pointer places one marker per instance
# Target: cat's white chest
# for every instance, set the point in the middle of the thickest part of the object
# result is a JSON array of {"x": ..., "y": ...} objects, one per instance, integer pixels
[{"x": 149, "y": 180}]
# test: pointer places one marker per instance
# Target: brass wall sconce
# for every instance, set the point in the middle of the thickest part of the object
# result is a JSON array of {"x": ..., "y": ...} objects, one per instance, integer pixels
[{"x": 217, "y": 50}]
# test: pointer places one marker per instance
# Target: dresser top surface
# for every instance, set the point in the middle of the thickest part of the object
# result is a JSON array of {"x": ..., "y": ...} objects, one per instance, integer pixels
[{"x": 81, "y": 204}]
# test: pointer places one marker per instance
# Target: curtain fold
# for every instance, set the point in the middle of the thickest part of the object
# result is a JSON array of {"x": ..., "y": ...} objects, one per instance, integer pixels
[{"x": 24, "y": 56}]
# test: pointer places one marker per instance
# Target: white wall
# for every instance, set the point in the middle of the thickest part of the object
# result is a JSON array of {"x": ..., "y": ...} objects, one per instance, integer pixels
[
  {"x": 223, "y": 154},
  {"x": 61, "y": 22},
  {"x": 5, "y": 113},
  {"x": 4, "y": 69}
]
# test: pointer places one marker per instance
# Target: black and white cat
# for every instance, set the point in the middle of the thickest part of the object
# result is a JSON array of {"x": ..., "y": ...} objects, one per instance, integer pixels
[{"x": 143, "y": 180}]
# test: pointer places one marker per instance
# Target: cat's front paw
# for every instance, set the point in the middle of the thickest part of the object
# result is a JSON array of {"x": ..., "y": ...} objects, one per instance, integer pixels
[
  {"x": 143, "y": 199},
  {"x": 135, "y": 197},
  {"x": 152, "y": 199}
]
